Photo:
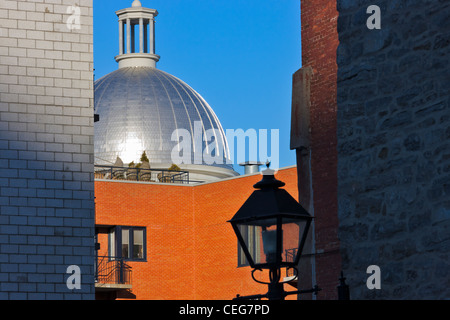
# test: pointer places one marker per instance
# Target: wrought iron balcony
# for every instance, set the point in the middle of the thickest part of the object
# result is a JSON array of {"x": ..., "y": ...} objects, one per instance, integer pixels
[
  {"x": 291, "y": 276},
  {"x": 290, "y": 255},
  {"x": 112, "y": 273}
]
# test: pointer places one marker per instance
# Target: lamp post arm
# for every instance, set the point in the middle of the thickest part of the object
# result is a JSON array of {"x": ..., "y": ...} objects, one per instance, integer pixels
[
  {"x": 252, "y": 297},
  {"x": 314, "y": 290}
]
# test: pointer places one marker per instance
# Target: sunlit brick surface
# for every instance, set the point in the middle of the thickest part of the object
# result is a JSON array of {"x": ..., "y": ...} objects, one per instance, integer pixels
[{"x": 191, "y": 248}]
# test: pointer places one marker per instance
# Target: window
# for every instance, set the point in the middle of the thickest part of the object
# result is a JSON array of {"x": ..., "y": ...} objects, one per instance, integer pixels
[
  {"x": 128, "y": 243},
  {"x": 125, "y": 243},
  {"x": 138, "y": 244},
  {"x": 250, "y": 236}
]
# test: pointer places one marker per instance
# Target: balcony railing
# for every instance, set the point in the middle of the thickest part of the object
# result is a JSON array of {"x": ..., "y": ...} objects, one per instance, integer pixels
[
  {"x": 140, "y": 174},
  {"x": 112, "y": 271},
  {"x": 290, "y": 255}
]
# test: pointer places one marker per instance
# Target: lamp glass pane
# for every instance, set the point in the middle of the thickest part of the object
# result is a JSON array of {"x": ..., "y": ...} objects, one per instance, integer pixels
[
  {"x": 293, "y": 230},
  {"x": 269, "y": 244},
  {"x": 249, "y": 234},
  {"x": 260, "y": 240}
]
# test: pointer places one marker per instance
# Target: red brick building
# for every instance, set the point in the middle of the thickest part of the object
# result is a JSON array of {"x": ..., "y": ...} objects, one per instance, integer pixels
[
  {"x": 190, "y": 250},
  {"x": 314, "y": 125}
]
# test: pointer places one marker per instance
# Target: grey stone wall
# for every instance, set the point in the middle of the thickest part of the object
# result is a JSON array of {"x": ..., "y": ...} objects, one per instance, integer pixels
[
  {"x": 46, "y": 148},
  {"x": 394, "y": 147}
]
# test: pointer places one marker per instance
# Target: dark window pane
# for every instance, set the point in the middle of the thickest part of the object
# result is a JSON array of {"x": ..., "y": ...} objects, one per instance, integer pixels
[
  {"x": 138, "y": 244},
  {"x": 125, "y": 243}
]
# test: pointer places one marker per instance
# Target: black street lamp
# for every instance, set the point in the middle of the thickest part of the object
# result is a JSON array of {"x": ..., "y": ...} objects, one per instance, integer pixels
[{"x": 270, "y": 224}]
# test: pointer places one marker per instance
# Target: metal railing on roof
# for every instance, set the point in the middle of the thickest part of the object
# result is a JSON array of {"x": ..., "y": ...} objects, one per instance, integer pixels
[{"x": 140, "y": 174}]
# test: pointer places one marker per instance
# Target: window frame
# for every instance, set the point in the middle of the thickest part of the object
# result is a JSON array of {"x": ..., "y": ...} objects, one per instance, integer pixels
[{"x": 117, "y": 233}]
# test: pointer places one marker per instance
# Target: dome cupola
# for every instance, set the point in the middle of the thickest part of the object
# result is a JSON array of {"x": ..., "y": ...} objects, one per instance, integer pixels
[{"x": 142, "y": 108}]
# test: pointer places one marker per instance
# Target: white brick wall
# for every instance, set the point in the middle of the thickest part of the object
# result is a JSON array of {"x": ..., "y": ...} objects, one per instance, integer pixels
[{"x": 46, "y": 151}]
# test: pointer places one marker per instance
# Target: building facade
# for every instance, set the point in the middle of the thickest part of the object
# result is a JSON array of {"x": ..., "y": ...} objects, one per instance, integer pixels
[
  {"x": 370, "y": 127},
  {"x": 313, "y": 136},
  {"x": 182, "y": 247},
  {"x": 393, "y": 117},
  {"x": 46, "y": 150},
  {"x": 47, "y": 231}
]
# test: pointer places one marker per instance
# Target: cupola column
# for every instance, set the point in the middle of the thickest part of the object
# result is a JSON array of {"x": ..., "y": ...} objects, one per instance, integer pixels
[
  {"x": 152, "y": 36},
  {"x": 141, "y": 35},
  {"x": 120, "y": 37},
  {"x": 128, "y": 35}
]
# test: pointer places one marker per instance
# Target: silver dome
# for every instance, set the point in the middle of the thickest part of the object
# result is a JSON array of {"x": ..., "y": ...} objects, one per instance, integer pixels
[{"x": 140, "y": 108}]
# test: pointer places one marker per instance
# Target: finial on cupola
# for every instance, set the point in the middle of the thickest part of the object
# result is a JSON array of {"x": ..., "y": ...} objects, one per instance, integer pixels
[{"x": 136, "y": 3}]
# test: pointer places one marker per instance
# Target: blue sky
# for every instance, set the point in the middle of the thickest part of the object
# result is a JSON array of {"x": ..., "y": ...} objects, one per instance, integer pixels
[{"x": 238, "y": 54}]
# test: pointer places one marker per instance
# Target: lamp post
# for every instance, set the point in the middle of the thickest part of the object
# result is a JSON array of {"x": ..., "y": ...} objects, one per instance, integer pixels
[
  {"x": 268, "y": 224},
  {"x": 343, "y": 289}
]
